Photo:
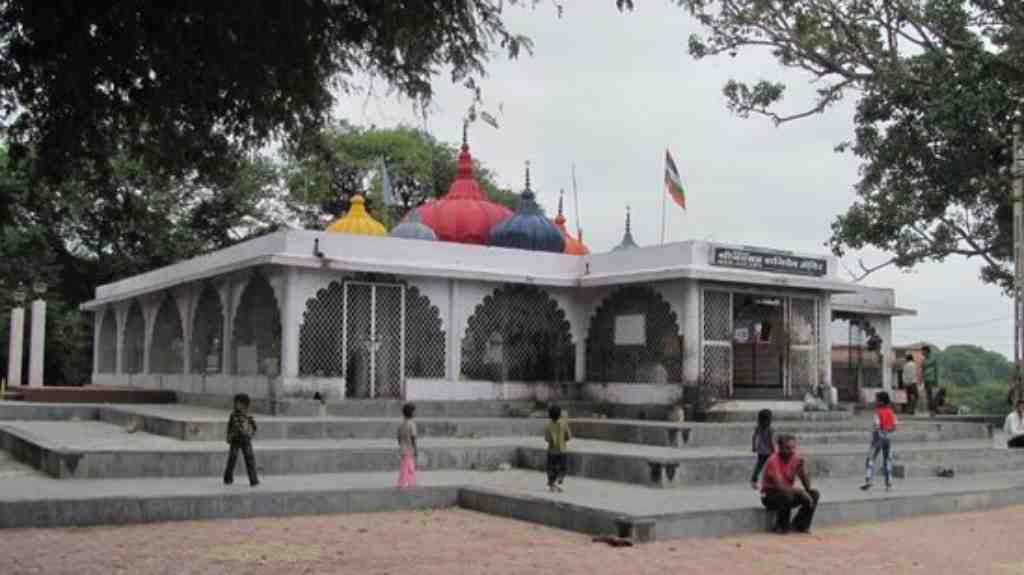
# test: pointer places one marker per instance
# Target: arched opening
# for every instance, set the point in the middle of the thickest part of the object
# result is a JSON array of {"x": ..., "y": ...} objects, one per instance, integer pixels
[
  {"x": 634, "y": 338},
  {"x": 108, "y": 342},
  {"x": 167, "y": 348},
  {"x": 134, "y": 346},
  {"x": 256, "y": 345},
  {"x": 333, "y": 335},
  {"x": 518, "y": 333},
  {"x": 207, "y": 330}
]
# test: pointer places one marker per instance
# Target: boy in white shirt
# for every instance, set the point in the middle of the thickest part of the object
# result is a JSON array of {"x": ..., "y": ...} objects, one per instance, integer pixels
[{"x": 1014, "y": 426}]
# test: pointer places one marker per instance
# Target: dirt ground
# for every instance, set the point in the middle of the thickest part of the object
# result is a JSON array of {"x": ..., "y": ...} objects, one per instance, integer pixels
[{"x": 457, "y": 541}]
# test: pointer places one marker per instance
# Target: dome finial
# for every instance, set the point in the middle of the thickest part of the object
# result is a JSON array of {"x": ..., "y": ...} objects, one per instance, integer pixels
[
  {"x": 627, "y": 219},
  {"x": 465, "y": 133},
  {"x": 627, "y": 238},
  {"x": 561, "y": 198},
  {"x": 528, "y": 175}
]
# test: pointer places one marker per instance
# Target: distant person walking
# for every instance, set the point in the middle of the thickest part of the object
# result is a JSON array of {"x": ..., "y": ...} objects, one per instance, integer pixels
[
  {"x": 241, "y": 429},
  {"x": 1014, "y": 426},
  {"x": 912, "y": 384},
  {"x": 885, "y": 424},
  {"x": 778, "y": 488},
  {"x": 407, "y": 447},
  {"x": 557, "y": 436},
  {"x": 763, "y": 443},
  {"x": 930, "y": 376}
]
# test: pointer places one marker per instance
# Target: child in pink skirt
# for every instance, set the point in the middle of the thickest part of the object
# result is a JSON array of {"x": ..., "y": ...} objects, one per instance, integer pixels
[{"x": 407, "y": 447}]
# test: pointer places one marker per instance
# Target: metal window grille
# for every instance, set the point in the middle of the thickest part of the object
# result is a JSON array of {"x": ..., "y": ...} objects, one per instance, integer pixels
[
  {"x": 133, "y": 350},
  {"x": 424, "y": 338},
  {"x": 166, "y": 350},
  {"x": 207, "y": 330},
  {"x": 321, "y": 353},
  {"x": 659, "y": 359},
  {"x": 803, "y": 332},
  {"x": 518, "y": 333},
  {"x": 717, "y": 343},
  {"x": 256, "y": 343},
  {"x": 108, "y": 342}
]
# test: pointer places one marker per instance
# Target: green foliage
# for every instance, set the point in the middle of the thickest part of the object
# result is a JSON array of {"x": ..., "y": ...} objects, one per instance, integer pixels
[
  {"x": 938, "y": 82},
  {"x": 324, "y": 169},
  {"x": 982, "y": 399},
  {"x": 177, "y": 85},
  {"x": 969, "y": 366}
]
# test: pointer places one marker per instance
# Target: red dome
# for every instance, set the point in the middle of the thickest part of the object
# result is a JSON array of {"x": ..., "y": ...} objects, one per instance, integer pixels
[{"x": 464, "y": 214}]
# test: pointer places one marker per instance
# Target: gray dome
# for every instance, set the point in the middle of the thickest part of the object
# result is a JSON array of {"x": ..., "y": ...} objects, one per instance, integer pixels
[
  {"x": 627, "y": 238},
  {"x": 413, "y": 229}
]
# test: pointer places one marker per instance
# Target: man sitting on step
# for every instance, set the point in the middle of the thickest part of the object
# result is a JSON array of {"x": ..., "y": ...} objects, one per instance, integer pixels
[
  {"x": 1014, "y": 425},
  {"x": 779, "y": 492}
]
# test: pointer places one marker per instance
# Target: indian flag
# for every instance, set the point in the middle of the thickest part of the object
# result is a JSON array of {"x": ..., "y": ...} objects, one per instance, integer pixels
[{"x": 673, "y": 184}]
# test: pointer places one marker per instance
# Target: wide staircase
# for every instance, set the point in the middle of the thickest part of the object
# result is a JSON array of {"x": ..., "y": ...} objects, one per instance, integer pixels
[{"x": 96, "y": 464}]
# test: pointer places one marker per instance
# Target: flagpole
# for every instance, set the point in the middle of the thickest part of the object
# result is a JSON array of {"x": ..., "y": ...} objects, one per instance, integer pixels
[{"x": 663, "y": 194}]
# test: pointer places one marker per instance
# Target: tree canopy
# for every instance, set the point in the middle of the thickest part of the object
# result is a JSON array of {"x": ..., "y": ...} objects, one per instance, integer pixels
[
  {"x": 939, "y": 84},
  {"x": 179, "y": 85}
]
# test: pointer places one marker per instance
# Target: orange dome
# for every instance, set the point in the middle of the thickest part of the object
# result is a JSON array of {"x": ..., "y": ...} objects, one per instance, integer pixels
[{"x": 573, "y": 246}]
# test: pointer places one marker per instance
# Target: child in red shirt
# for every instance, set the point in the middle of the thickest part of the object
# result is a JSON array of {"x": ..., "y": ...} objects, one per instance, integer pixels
[{"x": 885, "y": 424}]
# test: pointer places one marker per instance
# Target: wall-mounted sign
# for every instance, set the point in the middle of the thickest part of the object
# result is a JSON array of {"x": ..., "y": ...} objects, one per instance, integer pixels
[
  {"x": 631, "y": 329},
  {"x": 768, "y": 261}
]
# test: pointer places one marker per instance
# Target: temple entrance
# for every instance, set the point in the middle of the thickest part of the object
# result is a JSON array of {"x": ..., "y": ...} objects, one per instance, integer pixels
[
  {"x": 758, "y": 350},
  {"x": 374, "y": 339},
  {"x": 759, "y": 345}
]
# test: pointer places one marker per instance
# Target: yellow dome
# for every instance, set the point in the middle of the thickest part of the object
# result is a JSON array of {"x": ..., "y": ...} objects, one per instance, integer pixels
[{"x": 357, "y": 221}]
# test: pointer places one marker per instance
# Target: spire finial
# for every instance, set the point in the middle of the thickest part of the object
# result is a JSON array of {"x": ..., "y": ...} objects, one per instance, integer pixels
[
  {"x": 627, "y": 218},
  {"x": 528, "y": 175},
  {"x": 465, "y": 133},
  {"x": 561, "y": 198}
]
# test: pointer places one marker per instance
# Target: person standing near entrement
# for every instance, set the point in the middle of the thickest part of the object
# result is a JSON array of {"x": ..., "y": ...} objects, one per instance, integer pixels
[
  {"x": 930, "y": 376},
  {"x": 912, "y": 384},
  {"x": 1014, "y": 426}
]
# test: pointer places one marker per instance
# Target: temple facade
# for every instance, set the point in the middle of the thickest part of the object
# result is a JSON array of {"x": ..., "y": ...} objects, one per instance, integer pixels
[{"x": 467, "y": 300}]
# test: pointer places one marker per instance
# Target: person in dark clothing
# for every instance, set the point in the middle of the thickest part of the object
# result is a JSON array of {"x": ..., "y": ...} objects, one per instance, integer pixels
[
  {"x": 779, "y": 492},
  {"x": 241, "y": 429},
  {"x": 763, "y": 443}
]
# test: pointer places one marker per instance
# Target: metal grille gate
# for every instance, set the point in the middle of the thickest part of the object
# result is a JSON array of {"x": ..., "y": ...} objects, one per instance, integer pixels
[
  {"x": 803, "y": 345},
  {"x": 373, "y": 338},
  {"x": 717, "y": 340}
]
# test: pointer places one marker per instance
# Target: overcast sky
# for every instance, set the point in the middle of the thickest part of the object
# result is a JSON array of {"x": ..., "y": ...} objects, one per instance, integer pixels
[{"x": 611, "y": 91}]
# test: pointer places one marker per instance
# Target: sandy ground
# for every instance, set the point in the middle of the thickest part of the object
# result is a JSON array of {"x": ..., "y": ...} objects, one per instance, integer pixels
[{"x": 457, "y": 541}]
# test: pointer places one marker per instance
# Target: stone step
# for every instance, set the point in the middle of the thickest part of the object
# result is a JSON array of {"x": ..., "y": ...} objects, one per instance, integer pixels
[
  {"x": 587, "y": 506},
  {"x": 665, "y": 468},
  {"x": 739, "y": 435}
]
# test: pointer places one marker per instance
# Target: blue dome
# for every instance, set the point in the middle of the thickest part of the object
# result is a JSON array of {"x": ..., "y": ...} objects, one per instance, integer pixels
[
  {"x": 412, "y": 228},
  {"x": 527, "y": 229}
]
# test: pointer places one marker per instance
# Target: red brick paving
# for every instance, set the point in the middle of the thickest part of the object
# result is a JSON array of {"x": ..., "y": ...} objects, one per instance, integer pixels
[{"x": 457, "y": 541}]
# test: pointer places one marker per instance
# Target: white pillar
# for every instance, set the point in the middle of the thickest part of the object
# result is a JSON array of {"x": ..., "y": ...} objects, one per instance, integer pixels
[
  {"x": 691, "y": 325},
  {"x": 38, "y": 344},
  {"x": 582, "y": 329},
  {"x": 291, "y": 311},
  {"x": 825, "y": 345},
  {"x": 14, "y": 352},
  {"x": 454, "y": 337},
  {"x": 227, "y": 300}
]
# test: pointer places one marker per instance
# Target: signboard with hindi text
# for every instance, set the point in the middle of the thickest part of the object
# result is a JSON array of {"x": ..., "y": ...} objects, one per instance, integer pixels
[{"x": 768, "y": 261}]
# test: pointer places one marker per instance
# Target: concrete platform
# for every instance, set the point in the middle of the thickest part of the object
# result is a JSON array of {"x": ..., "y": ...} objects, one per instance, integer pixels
[{"x": 588, "y": 506}]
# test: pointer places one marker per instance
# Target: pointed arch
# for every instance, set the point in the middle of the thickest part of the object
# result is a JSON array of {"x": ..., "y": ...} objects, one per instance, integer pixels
[
  {"x": 518, "y": 333},
  {"x": 207, "y": 331},
  {"x": 108, "y": 342},
  {"x": 652, "y": 355},
  {"x": 167, "y": 346},
  {"x": 257, "y": 328},
  {"x": 133, "y": 349}
]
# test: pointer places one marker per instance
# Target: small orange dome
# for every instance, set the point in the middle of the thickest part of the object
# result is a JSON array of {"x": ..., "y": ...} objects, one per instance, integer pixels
[{"x": 357, "y": 221}]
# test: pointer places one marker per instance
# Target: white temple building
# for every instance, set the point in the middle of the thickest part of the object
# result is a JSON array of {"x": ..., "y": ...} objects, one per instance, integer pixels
[{"x": 500, "y": 305}]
